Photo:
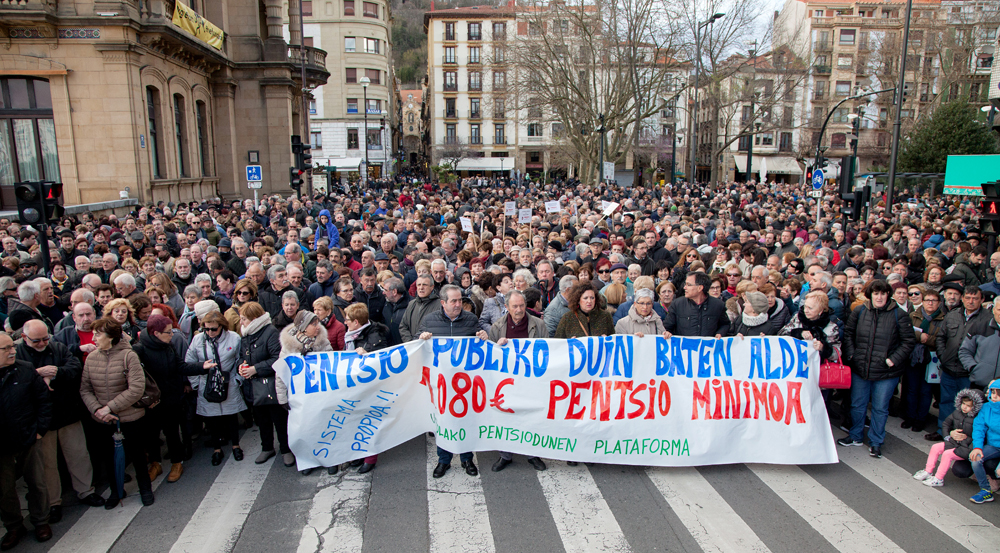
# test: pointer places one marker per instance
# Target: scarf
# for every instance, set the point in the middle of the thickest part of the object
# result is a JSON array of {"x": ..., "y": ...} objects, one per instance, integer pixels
[
  {"x": 756, "y": 320},
  {"x": 256, "y": 325},
  {"x": 307, "y": 341},
  {"x": 352, "y": 335}
]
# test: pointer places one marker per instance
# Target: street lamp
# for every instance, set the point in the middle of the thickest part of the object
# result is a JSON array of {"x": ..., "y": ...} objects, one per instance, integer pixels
[
  {"x": 365, "y": 81},
  {"x": 697, "y": 71},
  {"x": 753, "y": 96}
]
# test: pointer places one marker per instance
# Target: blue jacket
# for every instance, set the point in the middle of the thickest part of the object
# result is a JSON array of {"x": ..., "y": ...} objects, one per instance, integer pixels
[
  {"x": 329, "y": 231},
  {"x": 986, "y": 427}
]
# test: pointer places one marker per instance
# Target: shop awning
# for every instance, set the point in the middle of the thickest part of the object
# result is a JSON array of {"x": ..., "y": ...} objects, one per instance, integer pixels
[
  {"x": 776, "y": 165},
  {"x": 341, "y": 163},
  {"x": 485, "y": 164}
]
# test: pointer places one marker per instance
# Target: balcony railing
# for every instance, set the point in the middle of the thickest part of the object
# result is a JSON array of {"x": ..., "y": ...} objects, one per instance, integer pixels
[
  {"x": 822, "y": 46},
  {"x": 449, "y": 60},
  {"x": 475, "y": 115},
  {"x": 315, "y": 63},
  {"x": 451, "y": 113},
  {"x": 819, "y": 95},
  {"x": 476, "y": 140},
  {"x": 451, "y": 140},
  {"x": 500, "y": 141},
  {"x": 823, "y": 69},
  {"x": 451, "y": 87}
]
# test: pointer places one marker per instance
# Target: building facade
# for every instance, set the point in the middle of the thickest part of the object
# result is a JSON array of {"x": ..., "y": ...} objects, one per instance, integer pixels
[
  {"x": 165, "y": 100},
  {"x": 412, "y": 126}
]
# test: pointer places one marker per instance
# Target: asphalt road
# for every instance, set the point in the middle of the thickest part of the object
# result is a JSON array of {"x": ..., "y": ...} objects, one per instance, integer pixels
[{"x": 860, "y": 504}]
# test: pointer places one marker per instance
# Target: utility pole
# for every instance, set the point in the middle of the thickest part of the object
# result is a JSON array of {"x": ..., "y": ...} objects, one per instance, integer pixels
[
  {"x": 306, "y": 132},
  {"x": 694, "y": 117},
  {"x": 753, "y": 97},
  {"x": 899, "y": 110}
]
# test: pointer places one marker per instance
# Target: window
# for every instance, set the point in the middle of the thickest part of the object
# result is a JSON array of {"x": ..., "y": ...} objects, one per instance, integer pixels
[
  {"x": 786, "y": 142},
  {"x": 450, "y": 134},
  {"x": 747, "y": 114},
  {"x": 451, "y": 80},
  {"x": 409, "y": 118},
  {"x": 352, "y": 105},
  {"x": 984, "y": 61},
  {"x": 475, "y": 31},
  {"x": 818, "y": 13},
  {"x": 843, "y": 88},
  {"x": 180, "y": 130},
  {"x": 474, "y": 112},
  {"x": 498, "y": 134},
  {"x": 847, "y": 37},
  {"x": 374, "y": 75},
  {"x": 882, "y": 140},
  {"x": 534, "y": 28},
  {"x": 787, "y": 116},
  {"x": 535, "y": 129},
  {"x": 449, "y": 54},
  {"x": 499, "y": 80},
  {"x": 840, "y": 115},
  {"x": 449, "y": 31},
  {"x": 348, "y": 7},
  {"x": 863, "y": 39},
  {"x": 474, "y": 54},
  {"x": 352, "y": 75},
  {"x": 350, "y": 44},
  {"x": 820, "y": 89},
  {"x": 535, "y": 109},
  {"x": 499, "y": 54},
  {"x": 766, "y": 138},
  {"x": 371, "y": 9},
  {"x": 372, "y": 45},
  {"x": 312, "y": 107},
  {"x": 449, "y": 107},
  {"x": 744, "y": 144},
  {"x": 374, "y": 107},
  {"x": 789, "y": 92},
  {"x": 352, "y": 139},
  {"x": 475, "y": 80},
  {"x": 818, "y": 114},
  {"x": 906, "y": 114},
  {"x": 155, "y": 145},
  {"x": 844, "y": 61},
  {"x": 201, "y": 113},
  {"x": 374, "y": 139},
  {"x": 316, "y": 139},
  {"x": 558, "y": 129},
  {"x": 838, "y": 140},
  {"x": 498, "y": 109},
  {"x": 307, "y": 7},
  {"x": 474, "y": 135},
  {"x": 499, "y": 31},
  {"x": 562, "y": 25}
]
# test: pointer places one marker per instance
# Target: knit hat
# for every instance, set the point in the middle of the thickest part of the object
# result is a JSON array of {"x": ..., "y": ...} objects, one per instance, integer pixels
[
  {"x": 157, "y": 323},
  {"x": 758, "y": 301},
  {"x": 204, "y": 307},
  {"x": 303, "y": 319}
]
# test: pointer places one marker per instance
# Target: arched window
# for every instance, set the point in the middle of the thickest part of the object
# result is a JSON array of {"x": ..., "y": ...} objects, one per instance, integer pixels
[
  {"x": 27, "y": 132},
  {"x": 155, "y": 130}
]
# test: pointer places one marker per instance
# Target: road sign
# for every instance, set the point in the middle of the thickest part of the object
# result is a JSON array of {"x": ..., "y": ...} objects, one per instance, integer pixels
[
  {"x": 818, "y": 179},
  {"x": 254, "y": 185},
  {"x": 254, "y": 173},
  {"x": 816, "y": 193},
  {"x": 609, "y": 170}
]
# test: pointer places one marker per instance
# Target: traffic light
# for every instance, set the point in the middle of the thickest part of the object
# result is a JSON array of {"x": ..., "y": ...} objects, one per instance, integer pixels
[
  {"x": 305, "y": 158},
  {"x": 809, "y": 174},
  {"x": 295, "y": 179},
  {"x": 989, "y": 205},
  {"x": 52, "y": 197},
  {"x": 852, "y": 205},
  {"x": 30, "y": 208}
]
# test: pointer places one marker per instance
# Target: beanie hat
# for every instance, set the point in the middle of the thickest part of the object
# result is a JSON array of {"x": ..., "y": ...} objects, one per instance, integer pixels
[
  {"x": 303, "y": 319},
  {"x": 204, "y": 307},
  {"x": 157, "y": 323},
  {"x": 758, "y": 301}
]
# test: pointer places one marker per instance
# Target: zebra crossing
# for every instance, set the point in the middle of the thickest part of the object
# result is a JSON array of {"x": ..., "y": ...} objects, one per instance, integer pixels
[{"x": 859, "y": 505}]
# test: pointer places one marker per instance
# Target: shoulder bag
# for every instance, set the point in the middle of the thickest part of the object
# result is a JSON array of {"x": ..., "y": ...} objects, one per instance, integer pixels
[{"x": 151, "y": 393}]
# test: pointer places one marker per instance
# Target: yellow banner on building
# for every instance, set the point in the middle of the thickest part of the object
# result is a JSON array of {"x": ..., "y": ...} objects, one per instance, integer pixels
[{"x": 202, "y": 29}]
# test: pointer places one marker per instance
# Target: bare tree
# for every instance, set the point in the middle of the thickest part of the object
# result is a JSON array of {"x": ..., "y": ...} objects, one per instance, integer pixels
[{"x": 448, "y": 156}]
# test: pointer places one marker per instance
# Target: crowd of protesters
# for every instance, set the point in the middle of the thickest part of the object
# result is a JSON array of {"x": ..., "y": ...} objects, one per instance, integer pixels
[{"x": 200, "y": 300}]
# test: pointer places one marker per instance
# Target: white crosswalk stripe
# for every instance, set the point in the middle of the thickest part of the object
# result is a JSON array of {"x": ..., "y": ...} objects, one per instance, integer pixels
[
  {"x": 915, "y": 439},
  {"x": 463, "y": 517}
]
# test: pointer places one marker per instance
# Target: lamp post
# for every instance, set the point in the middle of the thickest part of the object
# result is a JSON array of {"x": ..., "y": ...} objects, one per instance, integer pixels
[
  {"x": 899, "y": 110},
  {"x": 753, "y": 96},
  {"x": 697, "y": 72},
  {"x": 365, "y": 81}
]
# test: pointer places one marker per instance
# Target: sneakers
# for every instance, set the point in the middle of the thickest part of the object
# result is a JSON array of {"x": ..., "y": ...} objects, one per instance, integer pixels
[
  {"x": 154, "y": 470},
  {"x": 875, "y": 451},
  {"x": 984, "y": 496},
  {"x": 846, "y": 441},
  {"x": 176, "y": 470},
  {"x": 921, "y": 475},
  {"x": 934, "y": 482}
]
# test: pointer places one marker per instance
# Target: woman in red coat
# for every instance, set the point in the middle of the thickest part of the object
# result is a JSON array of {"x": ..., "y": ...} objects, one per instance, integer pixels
[{"x": 335, "y": 330}]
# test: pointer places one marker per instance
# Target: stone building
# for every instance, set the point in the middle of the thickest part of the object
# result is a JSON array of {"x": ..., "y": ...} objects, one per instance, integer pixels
[
  {"x": 168, "y": 100},
  {"x": 412, "y": 125}
]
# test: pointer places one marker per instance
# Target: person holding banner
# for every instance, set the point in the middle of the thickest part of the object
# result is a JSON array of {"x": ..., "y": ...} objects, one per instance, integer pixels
[
  {"x": 585, "y": 317},
  {"x": 517, "y": 323},
  {"x": 697, "y": 313},
  {"x": 451, "y": 321}
]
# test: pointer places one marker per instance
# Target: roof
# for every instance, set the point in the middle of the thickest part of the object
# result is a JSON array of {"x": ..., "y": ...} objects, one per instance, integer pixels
[
  {"x": 871, "y": 3},
  {"x": 417, "y": 93},
  {"x": 471, "y": 12}
]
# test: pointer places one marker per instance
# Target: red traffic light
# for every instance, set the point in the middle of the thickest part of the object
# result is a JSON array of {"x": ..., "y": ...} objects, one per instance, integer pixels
[{"x": 990, "y": 207}]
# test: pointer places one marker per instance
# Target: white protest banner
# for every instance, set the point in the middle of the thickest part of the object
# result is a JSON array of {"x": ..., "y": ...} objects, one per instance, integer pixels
[
  {"x": 466, "y": 224},
  {"x": 524, "y": 215},
  {"x": 552, "y": 206},
  {"x": 510, "y": 209},
  {"x": 609, "y": 207},
  {"x": 615, "y": 399}
]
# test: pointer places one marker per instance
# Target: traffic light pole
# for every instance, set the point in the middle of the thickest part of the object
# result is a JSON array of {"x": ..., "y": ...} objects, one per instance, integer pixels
[
  {"x": 899, "y": 110},
  {"x": 43, "y": 229}
]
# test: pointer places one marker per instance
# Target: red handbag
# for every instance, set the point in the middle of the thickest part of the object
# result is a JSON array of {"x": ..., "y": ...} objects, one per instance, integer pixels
[{"x": 836, "y": 376}]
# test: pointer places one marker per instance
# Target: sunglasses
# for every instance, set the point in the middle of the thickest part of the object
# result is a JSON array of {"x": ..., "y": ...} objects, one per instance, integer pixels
[
  {"x": 212, "y": 328},
  {"x": 734, "y": 276},
  {"x": 603, "y": 271},
  {"x": 38, "y": 341},
  {"x": 242, "y": 293},
  {"x": 914, "y": 294}
]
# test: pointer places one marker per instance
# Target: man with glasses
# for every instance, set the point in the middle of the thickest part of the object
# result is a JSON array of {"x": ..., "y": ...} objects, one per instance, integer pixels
[
  {"x": 733, "y": 277},
  {"x": 61, "y": 371},
  {"x": 697, "y": 313}
]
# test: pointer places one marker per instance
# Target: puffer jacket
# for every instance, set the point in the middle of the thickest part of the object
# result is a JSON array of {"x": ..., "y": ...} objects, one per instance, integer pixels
[
  {"x": 953, "y": 332},
  {"x": 739, "y": 326},
  {"x": 25, "y": 407},
  {"x": 986, "y": 427},
  {"x": 964, "y": 422},
  {"x": 67, "y": 407},
  {"x": 822, "y": 329},
  {"x": 438, "y": 324},
  {"x": 167, "y": 367},
  {"x": 415, "y": 312},
  {"x": 874, "y": 335},
  {"x": 200, "y": 351},
  {"x": 779, "y": 314},
  {"x": 114, "y": 378},
  {"x": 633, "y": 323},
  {"x": 260, "y": 346},
  {"x": 980, "y": 355},
  {"x": 536, "y": 328}
]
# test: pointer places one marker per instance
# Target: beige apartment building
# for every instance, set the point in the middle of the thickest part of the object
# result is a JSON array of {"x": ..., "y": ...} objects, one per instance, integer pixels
[{"x": 169, "y": 100}]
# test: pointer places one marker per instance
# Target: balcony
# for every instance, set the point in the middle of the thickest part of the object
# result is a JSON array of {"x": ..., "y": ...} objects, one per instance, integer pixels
[
  {"x": 449, "y": 36},
  {"x": 502, "y": 141},
  {"x": 819, "y": 95},
  {"x": 451, "y": 87},
  {"x": 449, "y": 60},
  {"x": 476, "y": 140},
  {"x": 451, "y": 140},
  {"x": 822, "y": 46},
  {"x": 499, "y": 115},
  {"x": 450, "y": 113},
  {"x": 475, "y": 115},
  {"x": 27, "y": 12},
  {"x": 475, "y": 37},
  {"x": 822, "y": 69},
  {"x": 316, "y": 73}
]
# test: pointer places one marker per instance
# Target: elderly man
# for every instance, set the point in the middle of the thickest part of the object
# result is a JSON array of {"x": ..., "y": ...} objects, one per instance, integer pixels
[
  {"x": 419, "y": 307},
  {"x": 368, "y": 293},
  {"x": 125, "y": 285},
  {"x": 518, "y": 324},
  {"x": 61, "y": 372},
  {"x": 79, "y": 337},
  {"x": 183, "y": 277},
  {"x": 109, "y": 263},
  {"x": 451, "y": 321},
  {"x": 25, "y": 308},
  {"x": 237, "y": 263},
  {"x": 80, "y": 295},
  {"x": 25, "y": 416},
  {"x": 558, "y": 306}
]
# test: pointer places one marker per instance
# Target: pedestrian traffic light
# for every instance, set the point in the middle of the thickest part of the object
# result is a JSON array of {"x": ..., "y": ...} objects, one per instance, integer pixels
[
  {"x": 853, "y": 202},
  {"x": 295, "y": 178},
  {"x": 30, "y": 209},
  {"x": 52, "y": 198},
  {"x": 809, "y": 174},
  {"x": 989, "y": 205}
]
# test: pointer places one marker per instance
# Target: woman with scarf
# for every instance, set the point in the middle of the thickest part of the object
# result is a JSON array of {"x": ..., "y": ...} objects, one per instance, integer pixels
[
  {"x": 326, "y": 229},
  {"x": 363, "y": 337},
  {"x": 221, "y": 346},
  {"x": 244, "y": 293},
  {"x": 289, "y": 307},
  {"x": 927, "y": 320},
  {"x": 259, "y": 349},
  {"x": 754, "y": 320},
  {"x": 335, "y": 330}
]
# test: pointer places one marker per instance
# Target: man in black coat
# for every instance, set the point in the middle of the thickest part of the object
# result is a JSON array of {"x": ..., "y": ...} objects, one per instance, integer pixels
[
  {"x": 25, "y": 415},
  {"x": 697, "y": 313},
  {"x": 452, "y": 321},
  {"x": 368, "y": 293},
  {"x": 396, "y": 302},
  {"x": 270, "y": 297},
  {"x": 61, "y": 372}
]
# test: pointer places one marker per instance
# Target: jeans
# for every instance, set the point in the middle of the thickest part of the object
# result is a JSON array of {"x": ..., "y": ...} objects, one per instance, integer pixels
[
  {"x": 950, "y": 386},
  {"x": 444, "y": 457},
  {"x": 29, "y": 463},
  {"x": 917, "y": 393},
  {"x": 989, "y": 452},
  {"x": 879, "y": 392}
]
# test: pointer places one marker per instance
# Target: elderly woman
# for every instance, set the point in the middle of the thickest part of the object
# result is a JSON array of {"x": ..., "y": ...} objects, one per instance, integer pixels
[
  {"x": 363, "y": 337},
  {"x": 120, "y": 310},
  {"x": 754, "y": 320},
  {"x": 218, "y": 348},
  {"x": 244, "y": 292},
  {"x": 335, "y": 330},
  {"x": 813, "y": 324},
  {"x": 112, "y": 381},
  {"x": 289, "y": 307},
  {"x": 344, "y": 297},
  {"x": 641, "y": 319},
  {"x": 585, "y": 317},
  {"x": 259, "y": 349},
  {"x": 523, "y": 279}
]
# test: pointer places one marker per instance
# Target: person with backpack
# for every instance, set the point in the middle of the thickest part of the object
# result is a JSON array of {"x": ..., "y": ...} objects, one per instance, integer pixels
[{"x": 217, "y": 348}]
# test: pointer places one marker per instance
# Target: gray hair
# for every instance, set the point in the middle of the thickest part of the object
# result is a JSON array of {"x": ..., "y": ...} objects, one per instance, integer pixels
[
  {"x": 127, "y": 280},
  {"x": 439, "y": 262},
  {"x": 447, "y": 289},
  {"x": 645, "y": 293},
  {"x": 191, "y": 289},
  {"x": 396, "y": 284},
  {"x": 272, "y": 273},
  {"x": 824, "y": 277},
  {"x": 515, "y": 293},
  {"x": 28, "y": 290},
  {"x": 86, "y": 295},
  {"x": 567, "y": 282},
  {"x": 528, "y": 277},
  {"x": 203, "y": 277},
  {"x": 290, "y": 295},
  {"x": 8, "y": 283}
]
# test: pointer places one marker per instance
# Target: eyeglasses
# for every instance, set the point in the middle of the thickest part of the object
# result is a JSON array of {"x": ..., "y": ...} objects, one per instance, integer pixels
[
  {"x": 211, "y": 328},
  {"x": 38, "y": 341},
  {"x": 912, "y": 294},
  {"x": 243, "y": 293},
  {"x": 736, "y": 275}
]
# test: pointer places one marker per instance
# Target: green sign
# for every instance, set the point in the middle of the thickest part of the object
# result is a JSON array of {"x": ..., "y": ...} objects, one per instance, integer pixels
[{"x": 964, "y": 175}]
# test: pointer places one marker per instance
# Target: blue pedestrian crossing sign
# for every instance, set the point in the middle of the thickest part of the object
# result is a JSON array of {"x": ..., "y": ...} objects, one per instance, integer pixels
[
  {"x": 254, "y": 173},
  {"x": 817, "y": 179}
]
